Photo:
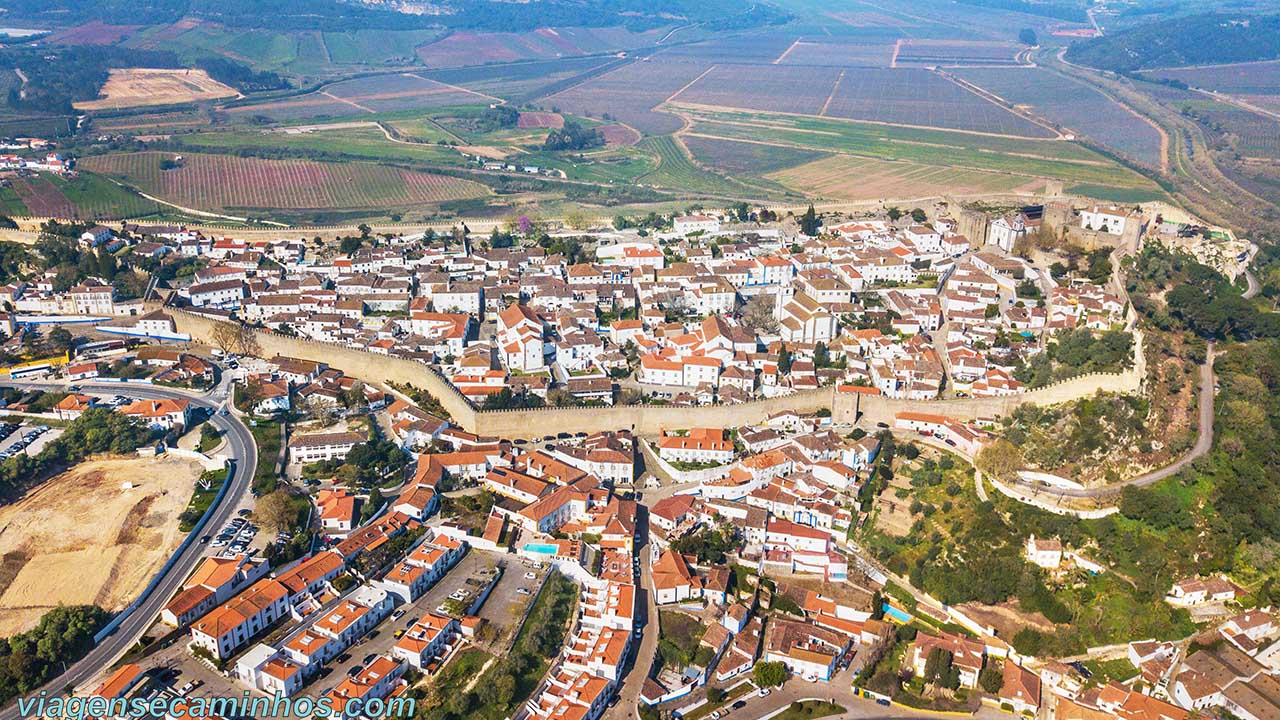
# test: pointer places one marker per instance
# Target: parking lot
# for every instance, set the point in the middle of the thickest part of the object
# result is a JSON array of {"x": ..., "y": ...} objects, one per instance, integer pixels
[
  {"x": 234, "y": 537},
  {"x": 26, "y": 438}
]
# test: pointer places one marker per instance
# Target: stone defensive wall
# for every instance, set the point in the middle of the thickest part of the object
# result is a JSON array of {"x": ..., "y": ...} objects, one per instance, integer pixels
[{"x": 645, "y": 419}]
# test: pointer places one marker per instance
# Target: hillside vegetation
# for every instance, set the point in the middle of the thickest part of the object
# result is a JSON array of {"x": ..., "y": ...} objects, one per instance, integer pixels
[{"x": 1208, "y": 39}]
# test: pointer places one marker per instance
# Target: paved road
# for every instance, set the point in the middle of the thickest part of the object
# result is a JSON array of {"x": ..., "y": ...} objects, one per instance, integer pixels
[
  {"x": 1253, "y": 285},
  {"x": 240, "y": 446},
  {"x": 1204, "y": 441},
  {"x": 642, "y": 661}
]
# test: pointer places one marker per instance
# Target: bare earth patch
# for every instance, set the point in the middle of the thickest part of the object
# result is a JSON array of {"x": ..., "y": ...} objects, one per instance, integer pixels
[
  {"x": 132, "y": 87},
  {"x": 81, "y": 538},
  {"x": 1007, "y": 618}
]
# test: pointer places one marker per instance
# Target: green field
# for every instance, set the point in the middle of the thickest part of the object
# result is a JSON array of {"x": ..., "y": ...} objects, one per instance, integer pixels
[
  {"x": 10, "y": 203},
  {"x": 676, "y": 171},
  {"x": 1057, "y": 160},
  {"x": 363, "y": 142},
  {"x": 96, "y": 196}
]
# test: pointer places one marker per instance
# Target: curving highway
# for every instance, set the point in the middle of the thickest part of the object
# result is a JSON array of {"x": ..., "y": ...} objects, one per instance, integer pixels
[{"x": 244, "y": 454}]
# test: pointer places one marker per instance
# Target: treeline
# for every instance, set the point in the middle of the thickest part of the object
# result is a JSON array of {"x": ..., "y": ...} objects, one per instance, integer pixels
[
  {"x": 337, "y": 16},
  {"x": 1071, "y": 12},
  {"x": 98, "y": 430},
  {"x": 1207, "y": 39},
  {"x": 33, "y": 658},
  {"x": 240, "y": 76}
]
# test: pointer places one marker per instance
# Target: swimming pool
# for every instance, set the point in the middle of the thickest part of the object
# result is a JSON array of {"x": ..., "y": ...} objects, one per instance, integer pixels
[
  {"x": 541, "y": 548},
  {"x": 897, "y": 614}
]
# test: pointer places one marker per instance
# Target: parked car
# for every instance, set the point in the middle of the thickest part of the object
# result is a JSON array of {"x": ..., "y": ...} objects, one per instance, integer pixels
[
  {"x": 763, "y": 691},
  {"x": 530, "y": 576}
]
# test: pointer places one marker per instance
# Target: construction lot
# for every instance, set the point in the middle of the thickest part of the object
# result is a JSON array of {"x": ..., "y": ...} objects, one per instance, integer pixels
[{"x": 94, "y": 534}]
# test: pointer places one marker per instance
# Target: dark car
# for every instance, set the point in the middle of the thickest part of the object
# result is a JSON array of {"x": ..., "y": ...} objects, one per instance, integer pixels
[
  {"x": 739, "y": 705},
  {"x": 882, "y": 425},
  {"x": 205, "y": 540}
]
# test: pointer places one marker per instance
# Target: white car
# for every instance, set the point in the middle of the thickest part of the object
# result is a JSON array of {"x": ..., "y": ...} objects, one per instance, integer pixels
[
  {"x": 763, "y": 691},
  {"x": 530, "y": 576}
]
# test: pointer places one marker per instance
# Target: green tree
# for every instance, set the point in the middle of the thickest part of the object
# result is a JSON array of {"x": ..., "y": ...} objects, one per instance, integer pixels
[
  {"x": 809, "y": 223},
  {"x": 1027, "y": 37},
  {"x": 770, "y": 674},
  {"x": 992, "y": 678}
]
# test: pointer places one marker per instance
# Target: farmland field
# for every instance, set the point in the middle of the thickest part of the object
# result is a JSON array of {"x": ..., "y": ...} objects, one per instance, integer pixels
[
  {"x": 1073, "y": 105},
  {"x": 42, "y": 198},
  {"x": 1255, "y": 78},
  {"x": 216, "y": 181},
  {"x": 364, "y": 96},
  {"x": 540, "y": 120},
  {"x": 774, "y": 88},
  {"x": 521, "y": 82},
  {"x": 1033, "y": 159},
  {"x": 402, "y": 91},
  {"x": 1253, "y": 134},
  {"x": 133, "y": 87},
  {"x": 619, "y": 135},
  {"x": 817, "y": 51},
  {"x": 84, "y": 196},
  {"x": 470, "y": 48},
  {"x": 747, "y": 158},
  {"x": 677, "y": 172},
  {"x": 629, "y": 94},
  {"x": 95, "y": 32},
  {"x": 919, "y": 97},
  {"x": 150, "y": 121},
  {"x": 957, "y": 52},
  {"x": 375, "y": 47},
  {"x": 751, "y": 48},
  {"x": 844, "y": 177}
]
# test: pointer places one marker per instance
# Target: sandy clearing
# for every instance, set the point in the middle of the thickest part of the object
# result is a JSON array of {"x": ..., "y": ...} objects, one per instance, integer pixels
[
  {"x": 85, "y": 539},
  {"x": 133, "y": 87}
]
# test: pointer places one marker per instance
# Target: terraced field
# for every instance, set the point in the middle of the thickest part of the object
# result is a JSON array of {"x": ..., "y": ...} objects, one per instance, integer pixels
[{"x": 223, "y": 182}]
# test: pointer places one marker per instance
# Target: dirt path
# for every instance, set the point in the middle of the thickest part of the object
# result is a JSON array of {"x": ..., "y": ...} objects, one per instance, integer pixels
[
  {"x": 834, "y": 89},
  {"x": 686, "y": 87},
  {"x": 352, "y": 103},
  {"x": 778, "y": 60}
]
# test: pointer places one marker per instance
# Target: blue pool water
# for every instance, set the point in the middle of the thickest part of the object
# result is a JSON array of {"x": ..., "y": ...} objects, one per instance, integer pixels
[
  {"x": 897, "y": 614},
  {"x": 543, "y": 548}
]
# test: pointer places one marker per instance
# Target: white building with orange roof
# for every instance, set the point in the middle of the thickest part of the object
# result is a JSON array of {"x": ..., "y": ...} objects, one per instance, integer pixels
[
  {"x": 674, "y": 580},
  {"x": 265, "y": 668},
  {"x": 73, "y": 406},
  {"x": 377, "y": 681},
  {"x": 598, "y": 651},
  {"x": 230, "y": 626},
  {"x": 337, "y": 510},
  {"x": 699, "y": 445},
  {"x": 425, "y": 640},
  {"x": 521, "y": 339},
  {"x": 214, "y": 580},
  {"x": 165, "y": 414},
  {"x": 422, "y": 567}
]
